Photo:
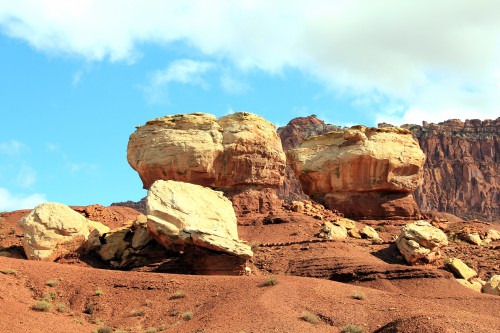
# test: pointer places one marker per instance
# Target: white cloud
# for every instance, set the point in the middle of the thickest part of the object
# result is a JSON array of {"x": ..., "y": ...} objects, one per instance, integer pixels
[
  {"x": 12, "y": 147},
  {"x": 10, "y": 201},
  {"x": 391, "y": 48},
  {"x": 26, "y": 177}
]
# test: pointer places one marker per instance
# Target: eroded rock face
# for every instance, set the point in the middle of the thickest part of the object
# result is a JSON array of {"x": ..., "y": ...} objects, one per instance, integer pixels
[
  {"x": 234, "y": 153},
  {"x": 421, "y": 242},
  {"x": 462, "y": 170},
  {"x": 181, "y": 214},
  {"x": 52, "y": 230},
  {"x": 291, "y": 136},
  {"x": 362, "y": 172}
]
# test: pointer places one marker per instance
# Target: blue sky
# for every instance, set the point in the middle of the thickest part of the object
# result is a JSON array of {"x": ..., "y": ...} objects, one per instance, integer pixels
[{"x": 76, "y": 77}]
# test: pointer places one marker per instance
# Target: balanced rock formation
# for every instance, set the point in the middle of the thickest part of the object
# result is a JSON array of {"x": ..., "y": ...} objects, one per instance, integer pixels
[
  {"x": 421, "y": 242},
  {"x": 462, "y": 170},
  {"x": 182, "y": 214},
  {"x": 239, "y": 154},
  {"x": 362, "y": 172},
  {"x": 52, "y": 230}
]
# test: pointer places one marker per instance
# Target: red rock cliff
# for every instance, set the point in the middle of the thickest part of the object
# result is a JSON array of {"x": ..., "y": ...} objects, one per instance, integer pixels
[{"x": 462, "y": 170}]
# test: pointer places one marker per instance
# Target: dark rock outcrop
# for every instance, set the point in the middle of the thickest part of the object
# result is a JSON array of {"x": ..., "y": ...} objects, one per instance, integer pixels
[{"x": 462, "y": 169}]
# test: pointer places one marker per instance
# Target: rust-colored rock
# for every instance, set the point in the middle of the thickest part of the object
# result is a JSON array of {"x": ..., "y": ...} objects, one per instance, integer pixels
[
  {"x": 362, "y": 172},
  {"x": 234, "y": 153},
  {"x": 462, "y": 170}
]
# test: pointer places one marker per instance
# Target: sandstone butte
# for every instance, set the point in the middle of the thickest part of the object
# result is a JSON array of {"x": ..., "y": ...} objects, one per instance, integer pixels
[
  {"x": 363, "y": 172},
  {"x": 239, "y": 154}
]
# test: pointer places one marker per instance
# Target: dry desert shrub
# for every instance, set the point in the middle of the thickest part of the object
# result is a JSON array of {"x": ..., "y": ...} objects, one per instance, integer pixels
[
  {"x": 178, "y": 294},
  {"x": 310, "y": 317},
  {"x": 8, "y": 271},
  {"x": 359, "y": 295},
  {"x": 351, "y": 328},
  {"x": 42, "y": 306},
  {"x": 271, "y": 281},
  {"x": 188, "y": 315},
  {"x": 137, "y": 313}
]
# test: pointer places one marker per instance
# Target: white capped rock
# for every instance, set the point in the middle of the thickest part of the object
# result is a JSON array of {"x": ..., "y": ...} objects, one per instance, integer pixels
[
  {"x": 420, "y": 241},
  {"x": 52, "y": 230}
]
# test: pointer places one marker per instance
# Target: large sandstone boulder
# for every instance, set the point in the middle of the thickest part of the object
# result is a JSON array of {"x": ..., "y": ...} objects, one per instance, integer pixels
[
  {"x": 181, "y": 214},
  {"x": 362, "y": 172},
  {"x": 421, "y": 242},
  {"x": 460, "y": 269},
  {"x": 236, "y": 153},
  {"x": 52, "y": 230}
]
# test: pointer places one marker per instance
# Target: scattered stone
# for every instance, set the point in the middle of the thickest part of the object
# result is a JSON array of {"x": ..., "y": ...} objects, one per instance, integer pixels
[
  {"x": 420, "y": 241},
  {"x": 52, "y": 230},
  {"x": 332, "y": 231},
  {"x": 492, "y": 286},
  {"x": 473, "y": 238},
  {"x": 346, "y": 223},
  {"x": 181, "y": 213},
  {"x": 354, "y": 233},
  {"x": 476, "y": 286},
  {"x": 460, "y": 269},
  {"x": 493, "y": 235},
  {"x": 369, "y": 232}
]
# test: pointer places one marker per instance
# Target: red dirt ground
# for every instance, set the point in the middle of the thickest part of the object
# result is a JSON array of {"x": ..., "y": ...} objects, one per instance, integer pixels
[{"x": 394, "y": 297}]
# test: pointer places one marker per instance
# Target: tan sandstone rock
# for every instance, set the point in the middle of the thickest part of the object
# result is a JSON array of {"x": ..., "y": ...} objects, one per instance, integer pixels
[
  {"x": 369, "y": 232},
  {"x": 493, "y": 235},
  {"x": 52, "y": 230},
  {"x": 460, "y": 269},
  {"x": 237, "y": 153},
  {"x": 420, "y": 241},
  {"x": 492, "y": 286},
  {"x": 474, "y": 285},
  {"x": 473, "y": 238},
  {"x": 181, "y": 213},
  {"x": 362, "y": 172},
  {"x": 332, "y": 231}
]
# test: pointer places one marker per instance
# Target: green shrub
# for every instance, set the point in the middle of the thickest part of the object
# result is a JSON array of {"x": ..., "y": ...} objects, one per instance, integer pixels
[
  {"x": 42, "y": 306},
  {"x": 98, "y": 292}
]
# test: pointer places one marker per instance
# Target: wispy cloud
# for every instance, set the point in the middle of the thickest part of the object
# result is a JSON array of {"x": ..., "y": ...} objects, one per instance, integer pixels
[
  {"x": 182, "y": 71},
  {"x": 26, "y": 177},
  {"x": 10, "y": 201},
  {"x": 12, "y": 147},
  {"x": 232, "y": 85},
  {"x": 82, "y": 167}
]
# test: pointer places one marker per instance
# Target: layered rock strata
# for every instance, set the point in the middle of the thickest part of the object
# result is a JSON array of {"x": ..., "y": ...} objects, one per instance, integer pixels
[
  {"x": 462, "y": 170},
  {"x": 362, "y": 172},
  {"x": 239, "y": 154}
]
